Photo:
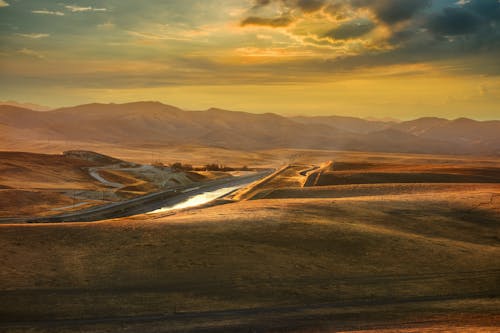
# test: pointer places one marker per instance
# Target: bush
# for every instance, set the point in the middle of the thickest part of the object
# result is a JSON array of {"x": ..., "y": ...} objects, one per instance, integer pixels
[{"x": 178, "y": 166}]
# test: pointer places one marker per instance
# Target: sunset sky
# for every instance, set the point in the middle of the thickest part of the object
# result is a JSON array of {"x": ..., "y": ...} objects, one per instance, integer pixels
[{"x": 384, "y": 58}]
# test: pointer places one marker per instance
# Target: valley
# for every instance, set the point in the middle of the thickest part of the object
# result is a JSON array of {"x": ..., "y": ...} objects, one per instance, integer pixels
[{"x": 388, "y": 236}]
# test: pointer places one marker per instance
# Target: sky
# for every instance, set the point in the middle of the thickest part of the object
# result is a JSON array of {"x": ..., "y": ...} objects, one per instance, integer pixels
[{"x": 365, "y": 58}]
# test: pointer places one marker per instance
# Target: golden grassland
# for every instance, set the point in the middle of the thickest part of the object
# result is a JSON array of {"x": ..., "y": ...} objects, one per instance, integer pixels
[
  {"x": 288, "y": 246},
  {"x": 36, "y": 183}
]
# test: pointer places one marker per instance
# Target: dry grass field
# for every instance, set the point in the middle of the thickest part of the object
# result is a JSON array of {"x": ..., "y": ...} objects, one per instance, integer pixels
[
  {"x": 418, "y": 255},
  {"x": 36, "y": 183},
  {"x": 147, "y": 154},
  {"x": 373, "y": 173}
]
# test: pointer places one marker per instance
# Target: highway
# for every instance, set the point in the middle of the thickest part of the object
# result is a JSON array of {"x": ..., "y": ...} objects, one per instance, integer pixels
[{"x": 143, "y": 204}]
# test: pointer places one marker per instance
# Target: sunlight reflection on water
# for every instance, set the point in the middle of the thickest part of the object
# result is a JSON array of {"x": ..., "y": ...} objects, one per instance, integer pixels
[{"x": 199, "y": 199}]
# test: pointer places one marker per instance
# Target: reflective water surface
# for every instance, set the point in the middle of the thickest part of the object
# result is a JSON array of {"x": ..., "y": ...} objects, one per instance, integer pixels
[{"x": 199, "y": 199}]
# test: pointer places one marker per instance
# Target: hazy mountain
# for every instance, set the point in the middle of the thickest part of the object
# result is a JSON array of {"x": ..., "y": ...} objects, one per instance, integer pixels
[
  {"x": 349, "y": 124},
  {"x": 458, "y": 130},
  {"x": 466, "y": 134},
  {"x": 144, "y": 123},
  {"x": 31, "y": 106},
  {"x": 420, "y": 125},
  {"x": 156, "y": 123}
]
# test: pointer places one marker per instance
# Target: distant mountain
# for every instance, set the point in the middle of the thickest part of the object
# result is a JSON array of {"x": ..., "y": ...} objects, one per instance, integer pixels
[
  {"x": 466, "y": 134},
  {"x": 31, "y": 106},
  {"x": 156, "y": 123},
  {"x": 421, "y": 125},
  {"x": 349, "y": 124},
  {"x": 458, "y": 130},
  {"x": 144, "y": 123}
]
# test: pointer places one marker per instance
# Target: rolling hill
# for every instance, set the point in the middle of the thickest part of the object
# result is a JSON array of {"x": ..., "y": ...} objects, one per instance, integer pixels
[{"x": 143, "y": 123}]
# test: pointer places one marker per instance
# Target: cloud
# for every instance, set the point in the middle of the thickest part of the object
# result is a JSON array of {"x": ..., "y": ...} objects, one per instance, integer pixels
[
  {"x": 156, "y": 36},
  {"x": 388, "y": 11},
  {"x": 31, "y": 53},
  {"x": 47, "y": 12},
  {"x": 288, "y": 11},
  {"x": 34, "y": 35},
  {"x": 267, "y": 41},
  {"x": 310, "y": 5},
  {"x": 261, "y": 3},
  {"x": 406, "y": 25},
  {"x": 306, "y": 6},
  {"x": 473, "y": 17},
  {"x": 393, "y": 11},
  {"x": 483, "y": 90},
  {"x": 76, "y": 9},
  {"x": 489, "y": 9},
  {"x": 454, "y": 21},
  {"x": 281, "y": 21},
  {"x": 273, "y": 52},
  {"x": 106, "y": 25},
  {"x": 3, "y": 4},
  {"x": 351, "y": 29}
]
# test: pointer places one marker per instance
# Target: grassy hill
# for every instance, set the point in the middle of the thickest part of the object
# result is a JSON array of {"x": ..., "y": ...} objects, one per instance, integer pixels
[{"x": 377, "y": 251}]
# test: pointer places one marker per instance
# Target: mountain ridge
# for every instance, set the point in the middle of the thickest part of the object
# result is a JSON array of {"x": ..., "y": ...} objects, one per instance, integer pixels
[{"x": 158, "y": 123}]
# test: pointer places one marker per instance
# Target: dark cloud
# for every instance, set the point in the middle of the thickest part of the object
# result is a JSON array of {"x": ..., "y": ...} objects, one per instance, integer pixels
[
  {"x": 455, "y": 21},
  {"x": 310, "y": 5},
  {"x": 261, "y": 3},
  {"x": 351, "y": 29},
  {"x": 338, "y": 9},
  {"x": 486, "y": 8},
  {"x": 438, "y": 29},
  {"x": 393, "y": 11},
  {"x": 450, "y": 33},
  {"x": 281, "y": 21},
  {"x": 305, "y": 6},
  {"x": 388, "y": 11},
  {"x": 476, "y": 17}
]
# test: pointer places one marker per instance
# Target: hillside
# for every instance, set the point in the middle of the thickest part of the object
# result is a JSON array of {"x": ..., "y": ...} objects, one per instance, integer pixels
[
  {"x": 41, "y": 184},
  {"x": 360, "y": 237},
  {"x": 153, "y": 123},
  {"x": 258, "y": 254}
]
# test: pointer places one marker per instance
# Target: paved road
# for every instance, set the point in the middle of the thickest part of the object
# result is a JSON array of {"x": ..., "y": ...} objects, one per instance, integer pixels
[
  {"x": 142, "y": 204},
  {"x": 94, "y": 173}
]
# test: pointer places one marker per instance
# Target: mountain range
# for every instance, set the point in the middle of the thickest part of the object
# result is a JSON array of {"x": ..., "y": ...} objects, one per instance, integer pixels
[{"x": 155, "y": 123}]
